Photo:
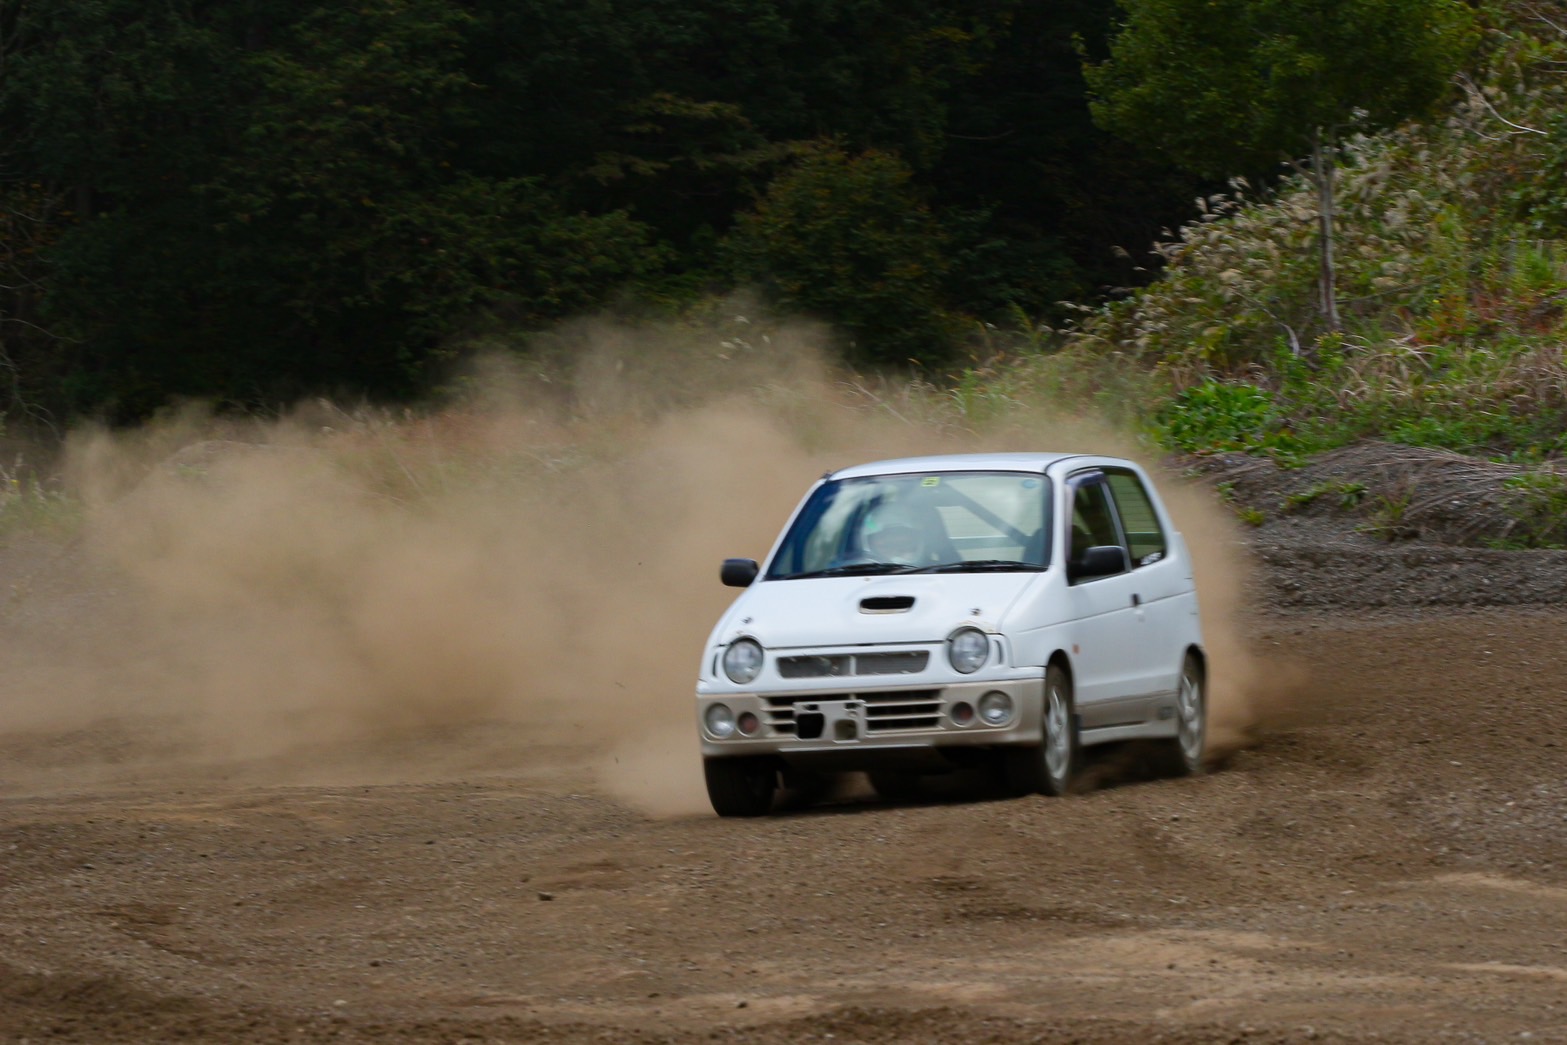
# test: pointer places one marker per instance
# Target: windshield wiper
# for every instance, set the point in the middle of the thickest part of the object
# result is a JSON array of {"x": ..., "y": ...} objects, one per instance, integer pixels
[
  {"x": 985, "y": 566},
  {"x": 855, "y": 569}
]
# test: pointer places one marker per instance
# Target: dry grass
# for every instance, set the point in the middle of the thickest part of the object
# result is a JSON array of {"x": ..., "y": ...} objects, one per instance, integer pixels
[{"x": 1410, "y": 492}]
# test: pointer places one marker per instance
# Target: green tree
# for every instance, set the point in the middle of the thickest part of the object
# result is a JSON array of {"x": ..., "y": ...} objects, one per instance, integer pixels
[
  {"x": 349, "y": 206},
  {"x": 1232, "y": 87},
  {"x": 1040, "y": 197},
  {"x": 678, "y": 110},
  {"x": 102, "y": 103},
  {"x": 847, "y": 237},
  {"x": 260, "y": 200}
]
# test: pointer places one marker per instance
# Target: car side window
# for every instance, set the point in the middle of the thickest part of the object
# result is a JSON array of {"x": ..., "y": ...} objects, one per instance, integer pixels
[
  {"x": 1144, "y": 536},
  {"x": 1093, "y": 519}
]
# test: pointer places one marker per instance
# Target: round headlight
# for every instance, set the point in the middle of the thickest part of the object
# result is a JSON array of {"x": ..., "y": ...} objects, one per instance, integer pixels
[
  {"x": 967, "y": 649},
  {"x": 995, "y": 708},
  {"x": 743, "y": 661},
  {"x": 720, "y": 720}
]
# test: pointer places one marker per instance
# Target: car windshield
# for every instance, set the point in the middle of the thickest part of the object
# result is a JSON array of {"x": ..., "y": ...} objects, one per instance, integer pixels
[{"x": 934, "y": 522}]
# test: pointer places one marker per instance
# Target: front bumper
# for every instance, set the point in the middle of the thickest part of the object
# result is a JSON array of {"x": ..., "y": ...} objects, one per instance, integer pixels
[{"x": 873, "y": 726}]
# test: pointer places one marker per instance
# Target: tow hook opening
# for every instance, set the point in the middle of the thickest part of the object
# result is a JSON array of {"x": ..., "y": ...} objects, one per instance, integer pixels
[{"x": 838, "y": 721}]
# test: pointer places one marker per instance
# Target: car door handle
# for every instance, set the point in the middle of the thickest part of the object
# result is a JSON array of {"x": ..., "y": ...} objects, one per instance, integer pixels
[{"x": 1137, "y": 600}]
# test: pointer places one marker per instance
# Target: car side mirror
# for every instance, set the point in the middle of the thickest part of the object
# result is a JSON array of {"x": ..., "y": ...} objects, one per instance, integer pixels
[
  {"x": 738, "y": 573},
  {"x": 1099, "y": 561}
]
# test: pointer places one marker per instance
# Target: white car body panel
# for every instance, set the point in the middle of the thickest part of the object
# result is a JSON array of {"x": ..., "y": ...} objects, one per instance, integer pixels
[{"x": 826, "y": 612}]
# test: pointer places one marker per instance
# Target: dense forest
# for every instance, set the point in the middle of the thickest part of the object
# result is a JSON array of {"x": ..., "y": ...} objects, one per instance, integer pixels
[
  {"x": 253, "y": 200},
  {"x": 1258, "y": 224}
]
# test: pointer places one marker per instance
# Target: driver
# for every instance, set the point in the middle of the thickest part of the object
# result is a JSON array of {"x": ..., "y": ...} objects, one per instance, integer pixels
[{"x": 892, "y": 536}]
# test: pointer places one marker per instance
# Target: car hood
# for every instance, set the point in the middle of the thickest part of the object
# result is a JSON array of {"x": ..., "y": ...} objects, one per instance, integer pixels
[{"x": 832, "y": 611}]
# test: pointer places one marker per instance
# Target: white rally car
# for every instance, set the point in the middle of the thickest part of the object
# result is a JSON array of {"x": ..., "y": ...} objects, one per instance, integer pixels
[{"x": 925, "y": 614}]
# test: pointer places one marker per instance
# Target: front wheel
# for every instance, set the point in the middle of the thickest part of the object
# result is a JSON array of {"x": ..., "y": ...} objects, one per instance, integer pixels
[
  {"x": 740, "y": 786},
  {"x": 1184, "y": 751},
  {"x": 1051, "y": 766}
]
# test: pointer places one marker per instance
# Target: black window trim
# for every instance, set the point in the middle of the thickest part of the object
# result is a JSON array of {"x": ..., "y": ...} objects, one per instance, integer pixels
[{"x": 1115, "y": 507}]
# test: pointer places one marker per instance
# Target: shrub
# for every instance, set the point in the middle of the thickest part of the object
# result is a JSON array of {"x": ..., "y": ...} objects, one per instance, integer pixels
[
  {"x": 1216, "y": 415},
  {"x": 846, "y": 238}
]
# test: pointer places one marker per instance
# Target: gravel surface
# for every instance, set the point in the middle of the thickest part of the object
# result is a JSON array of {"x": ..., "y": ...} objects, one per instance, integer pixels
[{"x": 1384, "y": 857}]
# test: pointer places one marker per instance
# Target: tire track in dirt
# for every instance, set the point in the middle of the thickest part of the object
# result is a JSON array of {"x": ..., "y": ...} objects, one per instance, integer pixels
[{"x": 1389, "y": 861}]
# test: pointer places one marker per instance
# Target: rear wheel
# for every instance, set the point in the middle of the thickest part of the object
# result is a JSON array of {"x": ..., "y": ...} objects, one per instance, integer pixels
[
  {"x": 1051, "y": 766},
  {"x": 740, "y": 786},
  {"x": 1183, "y": 753}
]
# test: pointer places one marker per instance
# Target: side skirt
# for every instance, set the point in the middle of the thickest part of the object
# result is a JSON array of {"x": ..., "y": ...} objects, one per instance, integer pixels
[{"x": 1141, "y": 718}]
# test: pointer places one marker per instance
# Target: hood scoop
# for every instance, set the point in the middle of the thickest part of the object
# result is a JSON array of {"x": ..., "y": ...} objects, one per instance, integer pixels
[{"x": 887, "y": 604}]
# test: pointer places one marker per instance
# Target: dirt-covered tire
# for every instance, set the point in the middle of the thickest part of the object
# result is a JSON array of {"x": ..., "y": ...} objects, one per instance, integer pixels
[
  {"x": 895, "y": 786},
  {"x": 1184, "y": 752},
  {"x": 740, "y": 786},
  {"x": 1051, "y": 766}
]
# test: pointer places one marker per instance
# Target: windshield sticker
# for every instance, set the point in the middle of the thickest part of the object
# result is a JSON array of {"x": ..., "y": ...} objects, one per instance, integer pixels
[{"x": 931, "y": 480}]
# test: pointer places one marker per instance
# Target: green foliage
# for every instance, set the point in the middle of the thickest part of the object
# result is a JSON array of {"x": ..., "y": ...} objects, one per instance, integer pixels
[
  {"x": 1025, "y": 366},
  {"x": 32, "y": 505},
  {"x": 1350, "y": 494},
  {"x": 258, "y": 201},
  {"x": 390, "y": 242},
  {"x": 1346, "y": 495},
  {"x": 261, "y": 201},
  {"x": 1302, "y": 498},
  {"x": 1454, "y": 308},
  {"x": 1537, "y": 500},
  {"x": 1529, "y": 164},
  {"x": 1235, "y": 285},
  {"x": 1234, "y": 86},
  {"x": 1387, "y": 517},
  {"x": 1037, "y": 198},
  {"x": 1220, "y": 416},
  {"x": 267, "y": 221},
  {"x": 847, "y": 237}
]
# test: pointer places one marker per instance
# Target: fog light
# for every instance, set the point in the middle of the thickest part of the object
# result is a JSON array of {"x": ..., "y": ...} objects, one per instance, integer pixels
[
  {"x": 996, "y": 708},
  {"x": 962, "y": 713},
  {"x": 748, "y": 723},
  {"x": 720, "y": 720}
]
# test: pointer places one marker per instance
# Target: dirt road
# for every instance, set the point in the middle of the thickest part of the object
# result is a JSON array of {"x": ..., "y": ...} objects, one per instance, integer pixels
[{"x": 1388, "y": 861}]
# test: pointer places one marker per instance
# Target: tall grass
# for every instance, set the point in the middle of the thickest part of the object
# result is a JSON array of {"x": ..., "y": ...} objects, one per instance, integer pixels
[{"x": 31, "y": 503}]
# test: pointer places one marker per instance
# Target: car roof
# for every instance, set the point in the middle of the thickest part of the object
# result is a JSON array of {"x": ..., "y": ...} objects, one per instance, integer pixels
[{"x": 995, "y": 462}]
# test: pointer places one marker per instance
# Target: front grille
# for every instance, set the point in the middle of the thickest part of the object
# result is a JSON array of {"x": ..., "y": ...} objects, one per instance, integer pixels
[
  {"x": 886, "y": 711},
  {"x": 848, "y": 664}
]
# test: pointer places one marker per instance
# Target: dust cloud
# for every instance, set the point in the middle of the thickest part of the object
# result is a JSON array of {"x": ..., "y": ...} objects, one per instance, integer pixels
[
  {"x": 1240, "y": 686},
  {"x": 531, "y": 569}
]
